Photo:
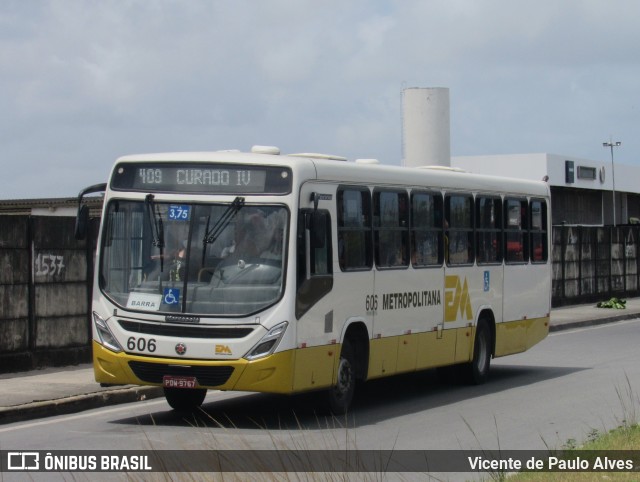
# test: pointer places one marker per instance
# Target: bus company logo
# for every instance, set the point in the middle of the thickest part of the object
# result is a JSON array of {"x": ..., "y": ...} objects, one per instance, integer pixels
[
  {"x": 456, "y": 298},
  {"x": 223, "y": 350},
  {"x": 181, "y": 348}
]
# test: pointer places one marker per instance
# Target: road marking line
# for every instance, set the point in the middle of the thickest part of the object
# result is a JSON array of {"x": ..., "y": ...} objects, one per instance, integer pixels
[{"x": 65, "y": 418}]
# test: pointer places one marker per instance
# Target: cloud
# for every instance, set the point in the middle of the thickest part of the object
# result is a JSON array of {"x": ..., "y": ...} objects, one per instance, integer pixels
[{"x": 86, "y": 81}]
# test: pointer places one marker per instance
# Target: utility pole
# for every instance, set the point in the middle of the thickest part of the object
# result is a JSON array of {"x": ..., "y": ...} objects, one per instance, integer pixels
[{"x": 611, "y": 144}]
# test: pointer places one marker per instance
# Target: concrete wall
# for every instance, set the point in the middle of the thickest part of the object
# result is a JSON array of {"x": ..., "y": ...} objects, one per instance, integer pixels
[
  {"x": 14, "y": 284},
  {"x": 45, "y": 278}
]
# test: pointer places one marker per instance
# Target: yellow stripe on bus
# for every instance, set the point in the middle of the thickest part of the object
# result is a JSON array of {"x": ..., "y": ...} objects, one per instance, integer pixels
[{"x": 316, "y": 367}]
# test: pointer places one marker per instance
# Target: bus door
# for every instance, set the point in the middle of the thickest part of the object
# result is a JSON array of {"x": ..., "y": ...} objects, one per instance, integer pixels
[{"x": 316, "y": 310}]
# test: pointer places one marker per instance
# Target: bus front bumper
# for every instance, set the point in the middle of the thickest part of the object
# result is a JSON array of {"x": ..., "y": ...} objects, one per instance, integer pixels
[{"x": 268, "y": 374}]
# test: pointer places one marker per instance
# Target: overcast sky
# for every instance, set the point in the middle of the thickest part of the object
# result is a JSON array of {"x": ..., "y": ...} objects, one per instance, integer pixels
[{"x": 83, "y": 82}]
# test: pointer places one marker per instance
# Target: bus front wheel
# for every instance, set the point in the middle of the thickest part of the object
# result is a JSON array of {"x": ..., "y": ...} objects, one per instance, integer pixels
[
  {"x": 185, "y": 399},
  {"x": 341, "y": 394}
]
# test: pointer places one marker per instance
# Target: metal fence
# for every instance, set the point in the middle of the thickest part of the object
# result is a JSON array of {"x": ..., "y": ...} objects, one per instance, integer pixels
[{"x": 594, "y": 263}]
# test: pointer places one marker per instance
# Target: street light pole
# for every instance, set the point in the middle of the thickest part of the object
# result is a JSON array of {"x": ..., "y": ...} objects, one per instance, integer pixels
[{"x": 611, "y": 144}]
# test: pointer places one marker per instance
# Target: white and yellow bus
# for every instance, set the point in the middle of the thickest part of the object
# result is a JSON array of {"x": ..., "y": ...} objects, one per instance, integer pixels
[{"x": 289, "y": 273}]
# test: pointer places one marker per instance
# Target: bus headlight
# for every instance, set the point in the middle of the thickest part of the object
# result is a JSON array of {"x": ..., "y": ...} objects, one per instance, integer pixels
[
  {"x": 268, "y": 343},
  {"x": 106, "y": 337}
]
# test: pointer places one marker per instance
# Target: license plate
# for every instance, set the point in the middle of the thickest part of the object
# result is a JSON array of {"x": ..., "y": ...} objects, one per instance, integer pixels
[{"x": 172, "y": 381}]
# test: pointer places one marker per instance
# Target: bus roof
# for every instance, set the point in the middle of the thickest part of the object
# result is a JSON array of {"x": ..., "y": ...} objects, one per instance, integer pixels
[{"x": 332, "y": 168}]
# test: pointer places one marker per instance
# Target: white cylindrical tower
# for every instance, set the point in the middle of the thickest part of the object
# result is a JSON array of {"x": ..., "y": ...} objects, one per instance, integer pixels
[{"x": 426, "y": 127}]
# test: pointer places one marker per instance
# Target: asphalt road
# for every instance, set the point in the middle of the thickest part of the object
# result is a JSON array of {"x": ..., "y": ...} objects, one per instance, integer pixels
[{"x": 573, "y": 383}]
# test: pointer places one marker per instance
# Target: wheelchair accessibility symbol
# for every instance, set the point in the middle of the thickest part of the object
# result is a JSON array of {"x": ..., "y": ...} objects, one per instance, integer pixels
[{"x": 171, "y": 296}]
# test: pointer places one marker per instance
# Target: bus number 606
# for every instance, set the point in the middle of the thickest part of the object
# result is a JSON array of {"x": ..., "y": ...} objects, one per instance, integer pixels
[
  {"x": 142, "y": 344},
  {"x": 371, "y": 303}
]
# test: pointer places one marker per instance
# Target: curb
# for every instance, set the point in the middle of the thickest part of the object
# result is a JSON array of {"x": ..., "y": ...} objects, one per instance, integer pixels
[
  {"x": 593, "y": 322},
  {"x": 77, "y": 403}
]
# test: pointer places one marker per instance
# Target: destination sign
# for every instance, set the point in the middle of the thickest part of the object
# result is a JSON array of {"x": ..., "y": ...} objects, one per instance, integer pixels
[{"x": 201, "y": 178}]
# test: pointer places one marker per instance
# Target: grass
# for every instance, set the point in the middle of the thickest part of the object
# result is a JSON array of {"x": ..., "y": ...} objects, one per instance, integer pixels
[{"x": 625, "y": 437}]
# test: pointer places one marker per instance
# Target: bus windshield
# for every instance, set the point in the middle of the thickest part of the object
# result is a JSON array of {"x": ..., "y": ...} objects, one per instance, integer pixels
[{"x": 198, "y": 259}]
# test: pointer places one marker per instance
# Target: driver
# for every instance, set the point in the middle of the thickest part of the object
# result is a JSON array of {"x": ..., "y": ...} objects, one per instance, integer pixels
[{"x": 258, "y": 234}]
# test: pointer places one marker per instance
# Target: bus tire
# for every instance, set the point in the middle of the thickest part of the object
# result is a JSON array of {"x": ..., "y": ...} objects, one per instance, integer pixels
[
  {"x": 341, "y": 394},
  {"x": 185, "y": 399},
  {"x": 478, "y": 368}
]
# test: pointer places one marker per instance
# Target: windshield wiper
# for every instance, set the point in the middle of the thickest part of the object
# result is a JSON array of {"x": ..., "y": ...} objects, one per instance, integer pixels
[
  {"x": 152, "y": 213},
  {"x": 212, "y": 234},
  {"x": 221, "y": 224}
]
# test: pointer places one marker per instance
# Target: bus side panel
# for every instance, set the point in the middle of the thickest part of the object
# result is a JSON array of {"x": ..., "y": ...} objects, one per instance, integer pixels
[
  {"x": 526, "y": 291},
  {"x": 526, "y": 298},
  {"x": 407, "y": 353},
  {"x": 537, "y": 331},
  {"x": 464, "y": 344},
  {"x": 315, "y": 366},
  {"x": 409, "y": 303},
  {"x": 510, "y": 337},
  {"x": 518, "y": 336},
  {"x": 318, "y": 336},
  {"x": 419, "y": 351},
  {"x": 436, "y": 349},
  {"x": 383, "y": 357},
  {"x": 318, "y": 341}
]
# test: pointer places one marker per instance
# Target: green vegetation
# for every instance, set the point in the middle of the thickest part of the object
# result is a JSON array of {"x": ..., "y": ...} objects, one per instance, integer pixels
[
  {"x": 626, "y": 437},
  {"x": 616, "y": 303}
]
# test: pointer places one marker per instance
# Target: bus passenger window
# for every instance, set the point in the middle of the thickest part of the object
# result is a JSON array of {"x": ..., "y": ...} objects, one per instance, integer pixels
[
  {"x": 354, "y": 229},
  {"x": 426, "y": 230},
  {"x": 538, "y": 216},
  {"x": 459, "y": 229},
  {"x": 391, "y": 229},
  {"x": 488, "y": 230},
  {"x": 516, "y": 228}
]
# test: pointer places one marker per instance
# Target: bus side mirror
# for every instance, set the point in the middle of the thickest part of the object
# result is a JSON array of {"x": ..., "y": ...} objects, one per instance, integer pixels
[
  {"x": 82, "y": 222},
  {"x": 82, "y": 218}
]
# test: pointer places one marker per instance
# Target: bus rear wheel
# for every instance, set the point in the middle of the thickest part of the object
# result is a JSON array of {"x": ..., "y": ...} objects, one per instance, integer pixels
[
  {"x": 478, "y": 368},
  {"x": 341, "y": 394},
  {"x": 185, "y": 399}
]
